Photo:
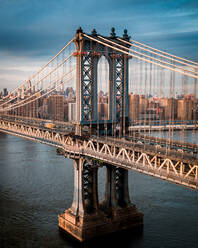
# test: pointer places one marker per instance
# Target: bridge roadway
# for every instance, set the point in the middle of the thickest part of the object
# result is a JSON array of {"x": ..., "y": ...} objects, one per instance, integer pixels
[
  {"x": 169, "y": 144},
  {"x": 159, "y": 127},
  {"x": 170, "y": 165},
  {"x": 139, "y": 137}
]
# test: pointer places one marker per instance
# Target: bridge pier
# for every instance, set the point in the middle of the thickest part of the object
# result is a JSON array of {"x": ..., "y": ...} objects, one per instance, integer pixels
[{"x": 86, "y": 218}]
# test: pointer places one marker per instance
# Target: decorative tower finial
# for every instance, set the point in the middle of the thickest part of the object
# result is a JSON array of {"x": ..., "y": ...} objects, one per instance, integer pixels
[
  {"x": 125, "y": 35},
  {"x": 93, "y": 32},
  {"x": 113, "y": 34},
  {"x": 79, "y": 30}
]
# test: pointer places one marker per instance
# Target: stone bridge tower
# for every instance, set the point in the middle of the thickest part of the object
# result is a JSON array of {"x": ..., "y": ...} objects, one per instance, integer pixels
[
  {"x": 88, "y": 53},
  {"x": 87, "y": 217}
]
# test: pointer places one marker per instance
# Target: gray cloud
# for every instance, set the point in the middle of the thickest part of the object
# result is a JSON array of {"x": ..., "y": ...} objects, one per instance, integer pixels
[{"x": 38, "y": 29}]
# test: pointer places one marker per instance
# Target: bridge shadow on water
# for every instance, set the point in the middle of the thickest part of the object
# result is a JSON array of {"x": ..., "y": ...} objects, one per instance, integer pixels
[{"x": 126, "y": 239}]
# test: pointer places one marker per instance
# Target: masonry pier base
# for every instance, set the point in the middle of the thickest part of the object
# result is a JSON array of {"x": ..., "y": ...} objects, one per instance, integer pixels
[
  {"x": 87, "y": 218},
  {"x": 100, "y": 224}
]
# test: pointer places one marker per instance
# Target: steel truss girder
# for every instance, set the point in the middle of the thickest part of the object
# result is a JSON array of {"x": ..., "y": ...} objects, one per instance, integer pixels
[
  {"x": 175, "y": 169},
  {"x": 89, "y": 175},
  {"x": 119, "y": 86},
  {"x": 87, "y": 85}
]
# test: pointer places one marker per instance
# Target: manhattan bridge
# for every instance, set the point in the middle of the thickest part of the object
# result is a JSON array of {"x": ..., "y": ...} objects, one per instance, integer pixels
[{"x": 129, "y": 100}]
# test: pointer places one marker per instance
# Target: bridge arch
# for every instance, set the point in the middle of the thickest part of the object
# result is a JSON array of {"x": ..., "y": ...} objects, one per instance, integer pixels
[{"x": 103, "y": 87}]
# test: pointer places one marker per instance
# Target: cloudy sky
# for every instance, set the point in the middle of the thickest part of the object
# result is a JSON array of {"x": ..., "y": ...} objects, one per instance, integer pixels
[{"x": 31, "y": 32}]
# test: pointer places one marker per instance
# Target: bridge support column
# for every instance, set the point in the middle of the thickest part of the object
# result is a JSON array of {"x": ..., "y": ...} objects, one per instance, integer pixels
[
  {"x": 116, "y": 192},
  {"x": 116, "y": 203},
  {"x": 87, "y": 218}
]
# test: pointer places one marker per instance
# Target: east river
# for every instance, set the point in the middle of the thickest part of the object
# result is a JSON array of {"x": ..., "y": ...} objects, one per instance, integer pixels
[{"x": 36, "y": 185}]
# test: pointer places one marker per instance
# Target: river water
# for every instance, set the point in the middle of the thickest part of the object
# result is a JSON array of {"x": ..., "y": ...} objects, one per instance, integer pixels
[{"x": 36, "y": 185}]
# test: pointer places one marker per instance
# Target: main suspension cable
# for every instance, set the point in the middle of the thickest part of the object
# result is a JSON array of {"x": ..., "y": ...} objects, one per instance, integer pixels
[
  {"x": 136, "y": 56},
  {"x": 147, "y": 56},
  {"x": 160, "y": 55},
  {"x": 160, "y": 51},
  {"x": 21, "y": 105},
  {"x": 36, "y": 73},
  {"x": 40, "y": 80}
]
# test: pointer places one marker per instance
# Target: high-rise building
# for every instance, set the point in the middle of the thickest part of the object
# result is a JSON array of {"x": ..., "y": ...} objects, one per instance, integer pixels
[
  {"x": 33, "y": 106},
  {"x": 103, "y": 106},
  {"x": 71, "y": 111},
  {"x": 102, "y": 111},
  {"x": 170, "y": 108},
  {"x": 65, "y": 110},
  {"x": 28, "y": 109},
  {"x": 185, "y": 109},
  {"x": 143, "y": 104},
  {"x": 56, "y": 107},
  {"x": 5, "y": 92},
  {"x": 134, "y": 107}
]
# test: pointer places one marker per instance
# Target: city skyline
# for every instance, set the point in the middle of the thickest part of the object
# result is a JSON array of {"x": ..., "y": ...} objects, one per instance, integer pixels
[
  {"x": 138, "y": 82},
  {"x": 61, "y": 106}
]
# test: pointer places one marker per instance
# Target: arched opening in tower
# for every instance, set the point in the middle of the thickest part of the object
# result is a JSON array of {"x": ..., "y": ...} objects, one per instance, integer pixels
[{"x": 103, "y": 89}]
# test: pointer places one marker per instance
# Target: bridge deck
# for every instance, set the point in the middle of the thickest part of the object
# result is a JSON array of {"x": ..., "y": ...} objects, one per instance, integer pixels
[{"x": 167, "y": 164}]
